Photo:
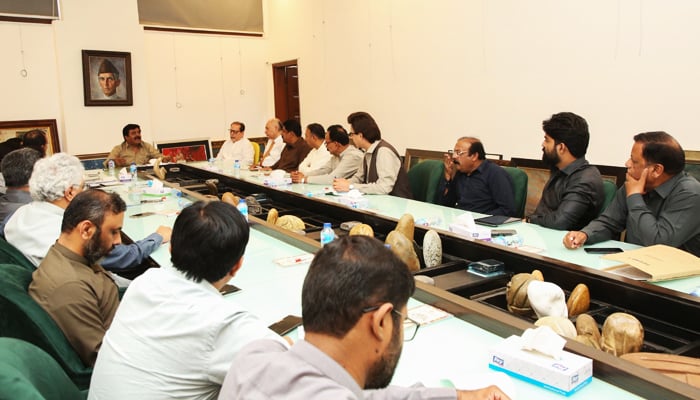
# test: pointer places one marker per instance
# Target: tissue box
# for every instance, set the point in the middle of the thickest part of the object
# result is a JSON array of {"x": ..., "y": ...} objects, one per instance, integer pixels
[
  {"x": 478, "y": 232},
  {"x": 564, "y": 376},
  {"x": 354, "y": 202}
]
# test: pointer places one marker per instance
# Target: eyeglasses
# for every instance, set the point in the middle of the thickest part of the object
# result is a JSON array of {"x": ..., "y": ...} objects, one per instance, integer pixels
[
  {"x": 352, "y": 133},
  {"x": 457, "y": 153},
  {"x": 233, "y": 131},
  {"x": 410, "y": 326}
]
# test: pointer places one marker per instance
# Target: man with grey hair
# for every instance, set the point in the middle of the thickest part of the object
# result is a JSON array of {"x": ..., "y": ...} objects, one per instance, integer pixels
[
  {"x": 34, "y": 227},
  {"x": 16, "y": 167}
]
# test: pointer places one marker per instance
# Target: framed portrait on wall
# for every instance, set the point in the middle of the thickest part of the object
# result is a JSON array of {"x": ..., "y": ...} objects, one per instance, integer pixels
[
  {"x": 15, "y": 131},
  {"x": 107, "y": 78}
]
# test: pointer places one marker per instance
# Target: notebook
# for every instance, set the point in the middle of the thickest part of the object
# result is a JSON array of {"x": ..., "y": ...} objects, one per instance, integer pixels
[{"x": 496, "y": 220}]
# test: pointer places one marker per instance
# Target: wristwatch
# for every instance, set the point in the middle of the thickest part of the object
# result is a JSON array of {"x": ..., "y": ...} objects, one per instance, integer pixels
[{"x": 351, "y": 187}]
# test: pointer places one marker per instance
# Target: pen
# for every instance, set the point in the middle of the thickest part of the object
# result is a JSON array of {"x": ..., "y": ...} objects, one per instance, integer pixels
[{"x": 153, "y": 201}]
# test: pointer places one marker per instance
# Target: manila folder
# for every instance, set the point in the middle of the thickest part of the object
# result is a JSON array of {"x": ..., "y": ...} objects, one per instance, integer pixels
[{"x": 656, "y": 263}]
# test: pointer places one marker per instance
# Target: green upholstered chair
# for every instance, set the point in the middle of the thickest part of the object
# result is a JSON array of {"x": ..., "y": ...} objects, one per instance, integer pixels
[
  {"x": 10, "y": 255},
  {"x": 609, "y": 188},
  {"x": 424, "y": 178},
  {"x": 519, "y": 188},
  {"x": 23, "y": 318},
  {"x": 28, "y": 372}
]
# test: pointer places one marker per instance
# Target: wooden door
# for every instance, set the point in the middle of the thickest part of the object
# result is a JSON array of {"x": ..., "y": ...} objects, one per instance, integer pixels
[{"x": 285, "y": 77}]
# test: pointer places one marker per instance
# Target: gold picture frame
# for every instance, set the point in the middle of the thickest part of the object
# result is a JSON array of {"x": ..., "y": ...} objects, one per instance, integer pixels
[{"x": 17, "y": 129}]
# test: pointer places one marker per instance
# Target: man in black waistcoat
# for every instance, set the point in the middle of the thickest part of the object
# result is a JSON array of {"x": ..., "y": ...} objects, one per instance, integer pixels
[{"x": 381, "y": 171}]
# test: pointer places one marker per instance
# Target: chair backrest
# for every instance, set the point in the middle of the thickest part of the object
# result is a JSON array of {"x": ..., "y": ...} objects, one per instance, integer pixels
[
  {"x": 519, "y": 188},
  {"x": 10, "y": 255},
  {"x": 424, "y": 178},
  {"x": 23, "y": 318},
  {"x": 28, "y": 372},
  {"x": 256, "y": 153},
  {"x": 609, "y": 188}
]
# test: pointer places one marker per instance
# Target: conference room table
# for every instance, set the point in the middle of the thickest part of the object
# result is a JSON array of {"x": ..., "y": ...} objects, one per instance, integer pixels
[{"x": 449, "y": 351}]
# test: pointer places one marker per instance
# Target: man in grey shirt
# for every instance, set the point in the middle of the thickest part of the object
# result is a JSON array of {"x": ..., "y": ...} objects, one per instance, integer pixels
[
  {"x": 658, "y": 204},
  {"x": 16, "y": 167},
  {"x": 354, "y": 309},
  {"x": 344, "y": 163}
]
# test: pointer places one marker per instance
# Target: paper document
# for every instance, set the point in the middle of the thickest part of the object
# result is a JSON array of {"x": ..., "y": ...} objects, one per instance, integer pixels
[{"x": 655, "y": 263}]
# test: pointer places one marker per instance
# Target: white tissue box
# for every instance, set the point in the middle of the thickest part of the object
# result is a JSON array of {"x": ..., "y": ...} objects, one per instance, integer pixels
[
  {"x": 354, "y": 202},
  {"x": 478, "y": 232},
  {"x": 564, "y": 376}
]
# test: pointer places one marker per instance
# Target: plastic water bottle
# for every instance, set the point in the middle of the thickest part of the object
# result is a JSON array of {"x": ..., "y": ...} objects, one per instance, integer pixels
[
  {"x": 133, "y": 171},
  {"x": 110, "y": 165},
  {"x": 243, "y": 208},
  {"x": 236, "y": 169},
  {"x": 327, "y": 234}
]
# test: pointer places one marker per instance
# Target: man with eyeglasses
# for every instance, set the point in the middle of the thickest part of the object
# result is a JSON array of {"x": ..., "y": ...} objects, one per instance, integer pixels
[
  {"x": 381, "y": 171},
  {"x": 354, "y": 310},
  {"x": 659, "y": 203},
  {"x": 238, "y": 147},
  {"x": 473, "y": 183},
  {"x": 34, "y": 227},
  {"x": 345, "y": 160}
]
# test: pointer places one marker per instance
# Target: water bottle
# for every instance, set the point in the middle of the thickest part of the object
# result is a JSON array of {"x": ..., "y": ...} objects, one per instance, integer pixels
[
  {"x": 110, "y": 165},
  {"x": 327, "y": 234},
  {"x": 133, "y": 170},
  {"x": 243, "y": 208},
  {"x": 236, "y": 169}
]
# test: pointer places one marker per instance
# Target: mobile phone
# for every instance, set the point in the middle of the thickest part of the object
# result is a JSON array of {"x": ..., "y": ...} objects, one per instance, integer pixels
[
  {"x": 228, "y": 289},
  {"x": 503, "y": 232},
  {"x": 286, "y": 325},
  {"x": 602, "y": 250}
]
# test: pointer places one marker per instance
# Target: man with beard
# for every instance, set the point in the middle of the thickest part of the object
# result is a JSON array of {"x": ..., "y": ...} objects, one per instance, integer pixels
[
  {"x": 473, "y": 183},
  {"x": 574, "y": 193},
  {"x": 69, "y": 284},
  {"x": 355, "y": 321},
  {"x": 34, "y": 227}
]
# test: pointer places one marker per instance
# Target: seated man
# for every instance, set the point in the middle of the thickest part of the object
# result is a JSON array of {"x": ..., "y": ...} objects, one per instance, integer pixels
[
  {"x": 16, "y": 167},
  {"x": 133, "y": 149},
  {"x": 35, "y": 139},
  {"x": 574, "y": 194},
  {"x": 69, "y": 284},
  {"x": 238, "y": 147},
  {"x": 34, "y": 227},
  {"x": 344, "y": 163},
  {"x": 174, "y": 335},
  {"x": 318, "y": 156},
  {"x": 295, "y": 148},
  {"x": 274, "y": 145},
  {"x": 354, "y": 309},
  {"x": 381, "y": 171},
  {"x": 473, "y": 183},
  {"x": 659, "y": 203}
]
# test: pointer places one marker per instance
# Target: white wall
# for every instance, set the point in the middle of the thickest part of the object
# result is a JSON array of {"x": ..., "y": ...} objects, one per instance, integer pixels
[
  {"x": 428, "y": 70},
  {"x": 214, "y": 79},
  {"x": 431, "y": 71}
]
